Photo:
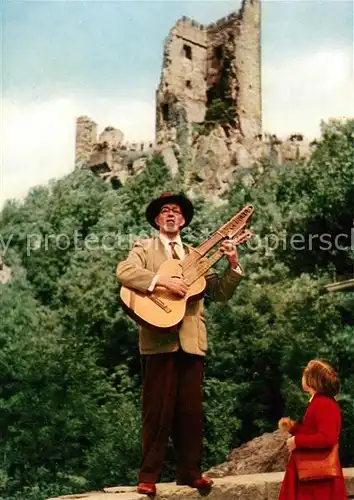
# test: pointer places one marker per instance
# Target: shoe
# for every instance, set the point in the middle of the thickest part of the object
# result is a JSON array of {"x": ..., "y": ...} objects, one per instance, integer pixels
[
  {"x": 201, "y": 483},
  {"x": 146, "y": 488}
]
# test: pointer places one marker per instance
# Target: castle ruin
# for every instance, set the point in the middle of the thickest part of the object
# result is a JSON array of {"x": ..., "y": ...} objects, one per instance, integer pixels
[
  {"x": 107, "y": 154},
  {"x": 208, "y": 103},
  {"x": 208, "y": 65}
]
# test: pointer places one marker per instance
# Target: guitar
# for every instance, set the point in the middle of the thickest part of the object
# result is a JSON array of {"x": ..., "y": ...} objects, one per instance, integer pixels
[{"x": 162, "y": 309}]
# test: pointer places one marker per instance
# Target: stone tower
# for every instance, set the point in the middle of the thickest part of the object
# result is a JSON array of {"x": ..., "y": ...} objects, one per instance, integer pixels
[
  {"x": 205, "y": 67},
  {"x": 182, "y": 90},
  {"x": 86, "y": 137},
  {"x": 248, "y": 68}
]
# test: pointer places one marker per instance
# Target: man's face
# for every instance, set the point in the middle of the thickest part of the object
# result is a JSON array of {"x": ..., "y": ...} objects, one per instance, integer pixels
[{"x": 170, "y": 218}]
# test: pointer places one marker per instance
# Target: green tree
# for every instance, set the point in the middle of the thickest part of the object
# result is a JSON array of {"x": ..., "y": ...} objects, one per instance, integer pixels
[{"x": 69, "y": 361}]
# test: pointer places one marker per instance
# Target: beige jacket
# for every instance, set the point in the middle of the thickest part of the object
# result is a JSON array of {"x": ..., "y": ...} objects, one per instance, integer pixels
[{"x": 138, "y": 271}]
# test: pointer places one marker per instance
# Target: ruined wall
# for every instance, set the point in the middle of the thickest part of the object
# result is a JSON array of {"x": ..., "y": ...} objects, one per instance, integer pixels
[
  {"x": 221, "y": 49},
  {"x": 86, "y": 137},
  {"x": 182, "y": 90},
  {"x": 248, "y": 68},
  {"x": 109, "y": 156},
  {"x": 112, "y": 136},
  {"x": 234, "y": 66},
  {"x": 205, "y": 63}
]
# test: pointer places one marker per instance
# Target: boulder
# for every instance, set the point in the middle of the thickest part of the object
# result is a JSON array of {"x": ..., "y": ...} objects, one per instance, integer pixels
[{"x": 266, "y": 453}]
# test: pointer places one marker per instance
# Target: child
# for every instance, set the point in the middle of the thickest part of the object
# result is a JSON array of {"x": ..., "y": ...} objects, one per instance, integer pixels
[{"x": 320, "y": 428}]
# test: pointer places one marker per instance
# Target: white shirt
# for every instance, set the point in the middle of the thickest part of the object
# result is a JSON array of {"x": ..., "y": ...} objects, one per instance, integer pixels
[
  {"x": 168, "y": 249},
  {"x": 178, "y": 247}
]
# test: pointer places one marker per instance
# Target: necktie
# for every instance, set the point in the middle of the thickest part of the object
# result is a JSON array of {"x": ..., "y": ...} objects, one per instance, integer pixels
[{"x": 173, "y": 250}]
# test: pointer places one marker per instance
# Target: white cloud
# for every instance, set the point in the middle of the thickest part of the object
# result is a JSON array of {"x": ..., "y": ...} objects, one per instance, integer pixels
[
  {"x": 135, "y": 118},
  {"x": 38, "y": 138},
  {"x": 37, "y": 144},
  {"x": 306, "y": 89}
]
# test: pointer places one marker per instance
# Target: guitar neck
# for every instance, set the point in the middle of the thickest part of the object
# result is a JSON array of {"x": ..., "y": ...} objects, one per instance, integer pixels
[
  {"x": 237, "y": 222},
  {"x": 217, "y": 255}
]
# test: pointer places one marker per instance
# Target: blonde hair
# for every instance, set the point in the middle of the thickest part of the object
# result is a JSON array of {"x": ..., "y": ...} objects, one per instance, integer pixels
[{"x": 322, "y": 377}]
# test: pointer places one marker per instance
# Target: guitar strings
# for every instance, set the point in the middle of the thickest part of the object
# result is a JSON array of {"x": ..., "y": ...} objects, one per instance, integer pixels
[{"x": 192, "y": 259}]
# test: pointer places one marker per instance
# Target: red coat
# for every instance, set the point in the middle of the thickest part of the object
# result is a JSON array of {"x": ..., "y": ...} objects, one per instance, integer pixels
[{"x": 320, "y": 428}]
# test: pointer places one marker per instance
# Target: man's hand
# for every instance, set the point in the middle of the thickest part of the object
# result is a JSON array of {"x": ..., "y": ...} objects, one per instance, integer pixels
[
  {"x": 230, "y": 251},
  {"x": 174, "y": 285}
]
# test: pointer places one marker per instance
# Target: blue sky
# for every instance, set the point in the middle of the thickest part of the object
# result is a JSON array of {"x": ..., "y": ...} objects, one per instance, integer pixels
[{"x": 61, "y": 59}]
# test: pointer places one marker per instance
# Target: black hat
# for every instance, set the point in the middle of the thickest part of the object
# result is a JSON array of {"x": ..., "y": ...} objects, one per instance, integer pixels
[{"x": 182, "y": 201}]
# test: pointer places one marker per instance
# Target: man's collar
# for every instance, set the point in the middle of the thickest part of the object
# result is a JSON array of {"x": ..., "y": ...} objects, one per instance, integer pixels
[{"x": 166, "y": 241}]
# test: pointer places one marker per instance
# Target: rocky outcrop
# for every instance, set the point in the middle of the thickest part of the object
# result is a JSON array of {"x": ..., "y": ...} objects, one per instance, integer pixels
[
  {"x": 266, "y": 453},
  {"x": 211, "y": 160}
]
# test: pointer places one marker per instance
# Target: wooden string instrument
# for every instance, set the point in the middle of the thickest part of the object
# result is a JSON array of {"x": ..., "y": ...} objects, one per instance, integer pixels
[{"x": 163, "y": 309}]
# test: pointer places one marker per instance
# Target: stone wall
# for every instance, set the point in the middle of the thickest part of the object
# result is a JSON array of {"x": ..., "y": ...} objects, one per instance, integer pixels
[
  {"x": 108, "y": 155},
  {"x": 248, "y": 69},
  {"x": 182, "y": 90},
  {"x": 86, "y": 137},
  {"x": 247, "y": 487},
  {"x": 253, "y": 471},
  {"x": 112, "y": 136},
  {"x": 234, "y": 53},
  {"x": 221, "y": 40}
]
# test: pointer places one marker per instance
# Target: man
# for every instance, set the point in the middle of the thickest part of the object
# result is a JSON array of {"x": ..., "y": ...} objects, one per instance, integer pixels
[{"x": 173, "y": 362}]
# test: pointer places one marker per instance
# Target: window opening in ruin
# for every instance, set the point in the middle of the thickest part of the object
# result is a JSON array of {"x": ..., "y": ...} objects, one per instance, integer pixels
[
  {"x": 219, "y": 52},
  {"x": 165, "y": 111},
  {"x": 187, "y": 51},
  {"x": 116, "y": 183},
  {"x": 210, "y": 95},
  {"x": 226, "y": 130},
  {"x": 188, "y": 84},
  {"x": 130, "y": 168},
  {"x": 296, "y": 137}
]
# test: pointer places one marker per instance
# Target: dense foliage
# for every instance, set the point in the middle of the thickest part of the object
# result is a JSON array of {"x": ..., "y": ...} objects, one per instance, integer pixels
[{"x": 69, "y": 362}]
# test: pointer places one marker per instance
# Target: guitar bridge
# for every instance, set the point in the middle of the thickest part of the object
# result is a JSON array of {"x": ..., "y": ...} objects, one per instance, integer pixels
[{"x": 160, "y": 303}]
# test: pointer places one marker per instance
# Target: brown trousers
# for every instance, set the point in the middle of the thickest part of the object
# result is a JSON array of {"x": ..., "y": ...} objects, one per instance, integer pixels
[{"x": 172, "y": 406}]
